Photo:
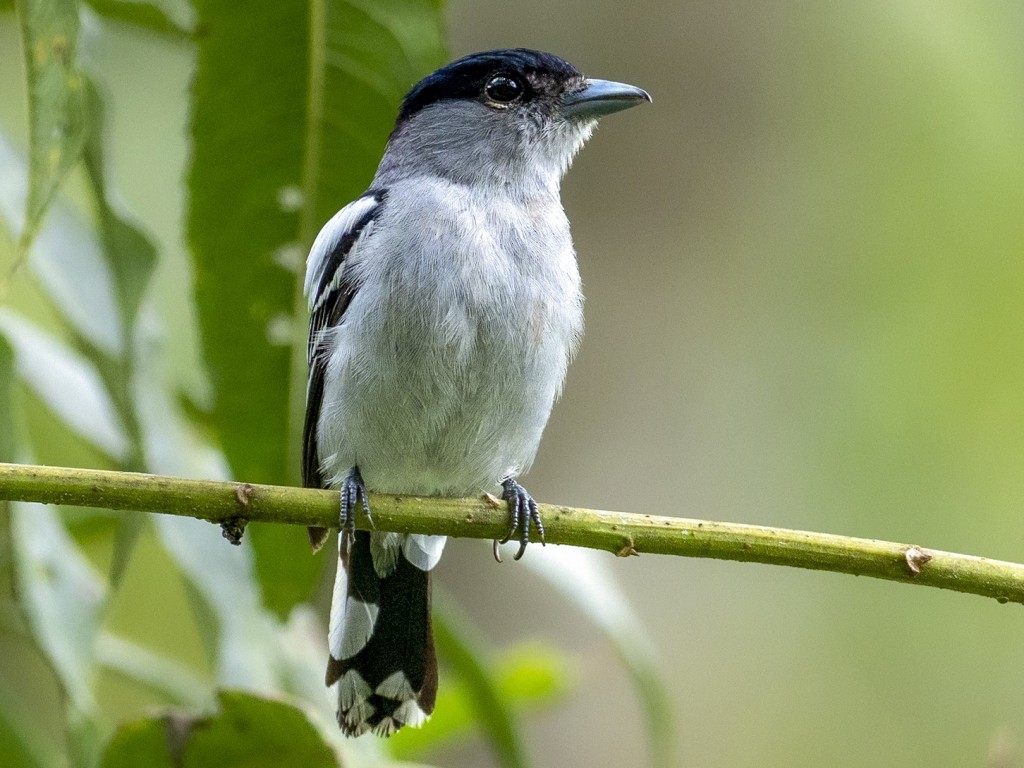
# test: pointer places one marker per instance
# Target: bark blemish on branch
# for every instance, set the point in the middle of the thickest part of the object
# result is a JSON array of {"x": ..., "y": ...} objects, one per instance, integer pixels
[{"x": 616, "y": 532}]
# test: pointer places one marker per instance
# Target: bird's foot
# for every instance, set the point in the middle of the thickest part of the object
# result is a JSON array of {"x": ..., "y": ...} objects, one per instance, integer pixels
[
  {"x": 523, "y": 515},
  {"x": 352, "y": 493}
]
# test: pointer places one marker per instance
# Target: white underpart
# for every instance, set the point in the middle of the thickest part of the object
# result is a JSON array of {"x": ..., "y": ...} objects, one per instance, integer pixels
[
  {"x": 456, "y": 291},
  {"x": 396, "y": 686},
  {"x": 422, "y": 550},
  {"x": 332, "y": 233}
]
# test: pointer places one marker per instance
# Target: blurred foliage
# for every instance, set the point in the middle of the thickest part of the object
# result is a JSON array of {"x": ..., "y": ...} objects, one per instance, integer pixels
[
  {"x": 105, "y": 616},
  {"x": 58, "y": 124},
  {"x": 248, "y": 731},
  {"x": 804, "y": 276},
  {"x": 275, "y": 145}
]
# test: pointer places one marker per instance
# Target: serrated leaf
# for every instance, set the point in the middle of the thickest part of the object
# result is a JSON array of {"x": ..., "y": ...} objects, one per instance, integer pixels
[
  {"x": 248, "y": 732},
  {"x": 66, "y": 382},
  {"x": 278, "y": 146},
  {"x": 144, "y": 16},
  {"x": 66, "y": 257},
  {"x": 585, "y": 580},
  {"x": 56, "y": 98}
]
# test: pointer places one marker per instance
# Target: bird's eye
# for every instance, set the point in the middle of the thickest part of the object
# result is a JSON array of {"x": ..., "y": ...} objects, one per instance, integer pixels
[{"x": 503, "y": 89}]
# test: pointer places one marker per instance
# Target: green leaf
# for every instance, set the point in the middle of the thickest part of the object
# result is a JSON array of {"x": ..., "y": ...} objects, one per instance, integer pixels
[
  {"x": 7, "y": 423},
  {"x": 586, "y": 581},
  {"x": 238, "y": 633},
  {"x": 174, "y": 681},
  {"x": 248, "y": 732},
  {"x": 62, "y": 597},
  {"x": 278, "y": 146},
  {"x": 67, "y": 258},
  {"x": 143, "y": 742},
  {"x": 526, "y": 677},
  {"x": 66, "y": 382},
  {"x": 56, "y": 97},
  {"x": 129, "y": 254},
  {"x": 144, "y": 16},
  {"x": 25, "y": 737},
  {"x": 462, "y": 647}
]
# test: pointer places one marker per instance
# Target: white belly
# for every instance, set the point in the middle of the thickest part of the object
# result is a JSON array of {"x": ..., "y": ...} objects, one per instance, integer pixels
[{"x": 443, "y": 374}]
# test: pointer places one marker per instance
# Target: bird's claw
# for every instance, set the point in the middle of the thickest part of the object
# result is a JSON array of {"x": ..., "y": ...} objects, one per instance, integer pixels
[
  {"x": 523, "y": 514},
  {"x": 352, "y": 493}
]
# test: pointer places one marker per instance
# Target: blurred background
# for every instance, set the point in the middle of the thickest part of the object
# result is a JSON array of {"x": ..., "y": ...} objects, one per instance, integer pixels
[{"x": 804, "y": 270}]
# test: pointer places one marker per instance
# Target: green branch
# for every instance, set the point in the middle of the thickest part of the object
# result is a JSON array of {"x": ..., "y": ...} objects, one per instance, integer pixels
[{"x": 617, "y": 532}]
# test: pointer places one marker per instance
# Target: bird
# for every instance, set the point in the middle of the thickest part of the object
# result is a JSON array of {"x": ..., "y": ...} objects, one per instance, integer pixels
[{"x": 445, "y": 307}]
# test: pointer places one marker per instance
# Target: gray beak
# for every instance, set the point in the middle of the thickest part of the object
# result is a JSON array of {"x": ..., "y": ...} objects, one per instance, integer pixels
[{"x": 602, "y": 97}]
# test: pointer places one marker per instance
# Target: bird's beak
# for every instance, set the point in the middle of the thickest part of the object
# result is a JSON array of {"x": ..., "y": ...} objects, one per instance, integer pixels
[{"x": 602, "y": 97}]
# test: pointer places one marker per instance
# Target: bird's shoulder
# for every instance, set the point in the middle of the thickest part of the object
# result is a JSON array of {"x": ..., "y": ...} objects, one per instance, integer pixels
[{"x": 336, "y": 239}]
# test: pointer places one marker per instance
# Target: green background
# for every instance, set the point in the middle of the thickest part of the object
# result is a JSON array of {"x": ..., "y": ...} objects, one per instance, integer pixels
[{"x": 804, "y": 269}]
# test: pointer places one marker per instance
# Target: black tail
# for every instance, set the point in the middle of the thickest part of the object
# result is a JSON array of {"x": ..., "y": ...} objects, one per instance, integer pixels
[{"x": 382, "y": 643}]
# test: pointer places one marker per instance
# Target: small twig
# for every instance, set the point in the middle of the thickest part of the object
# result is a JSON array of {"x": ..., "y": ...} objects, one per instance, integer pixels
[{"x": 616, "y": 532}]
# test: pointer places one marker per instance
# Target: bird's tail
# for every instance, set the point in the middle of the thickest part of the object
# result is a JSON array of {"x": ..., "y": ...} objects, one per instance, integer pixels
[{"x": 381, "y": 641}]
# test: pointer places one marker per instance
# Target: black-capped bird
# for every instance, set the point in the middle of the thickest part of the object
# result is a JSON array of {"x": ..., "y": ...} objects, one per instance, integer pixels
[{"x": 446, "y": 306}]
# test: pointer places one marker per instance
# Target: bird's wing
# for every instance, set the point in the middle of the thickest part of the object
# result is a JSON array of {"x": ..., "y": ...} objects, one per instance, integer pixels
[{"x": 330, "y": 287}]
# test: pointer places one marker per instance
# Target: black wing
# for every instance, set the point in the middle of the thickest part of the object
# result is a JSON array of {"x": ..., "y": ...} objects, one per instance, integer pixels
[{"x": 330, "y": 291}]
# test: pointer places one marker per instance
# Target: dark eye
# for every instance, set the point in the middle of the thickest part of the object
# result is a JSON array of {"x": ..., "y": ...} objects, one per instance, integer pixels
[{"x": 503, "y": 89}]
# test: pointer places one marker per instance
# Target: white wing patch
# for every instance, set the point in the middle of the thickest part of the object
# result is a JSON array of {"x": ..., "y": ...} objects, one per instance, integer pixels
[
  {"x": 332, "y": 233},
  {"x": 422, "y": 550}
]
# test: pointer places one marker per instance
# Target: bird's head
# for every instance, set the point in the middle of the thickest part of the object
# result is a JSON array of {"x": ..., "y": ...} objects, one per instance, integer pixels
[{"x": 513, "y": 117}]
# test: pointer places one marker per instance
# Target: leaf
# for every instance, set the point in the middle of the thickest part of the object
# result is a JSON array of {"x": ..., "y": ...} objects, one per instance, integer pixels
[
  {"x": 66, "y": 257},
  {"x": 170, "y": 678},
  {"x": 144, "y": 16},
  {"x": 62, "y": 597},
  {"x": 56, "y": 97},
  {"x": 129, "y": 254},
  {"x": 586, "y": 581},
  {"x": 278, "y": 146},
  {"x": 66, "y": 382},
  {"x": 7, "y": 423},
  {"x": 248, "y": 732},
  {"x": 526, "y": 677},
  {"x": 24, "y": 736},
  {"x": 461, "y": 646},
  {"x": 221, "y": 577},
  {"x": 143, "y": 742}
]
